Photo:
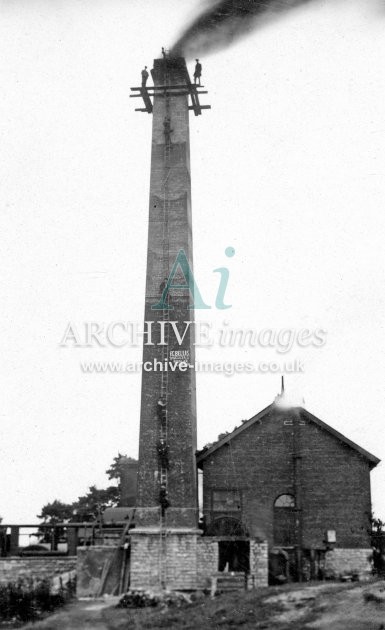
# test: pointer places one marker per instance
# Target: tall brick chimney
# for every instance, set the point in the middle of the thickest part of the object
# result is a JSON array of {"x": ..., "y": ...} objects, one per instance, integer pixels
[
  {"x": 165, "y": 540},
  {"x": 169, "y": 231}
]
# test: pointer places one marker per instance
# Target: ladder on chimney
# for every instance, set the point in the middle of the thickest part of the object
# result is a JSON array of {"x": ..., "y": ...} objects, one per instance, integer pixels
[
  {"x": 165, "y": 316},
  {"x": 165, "y": 347}
]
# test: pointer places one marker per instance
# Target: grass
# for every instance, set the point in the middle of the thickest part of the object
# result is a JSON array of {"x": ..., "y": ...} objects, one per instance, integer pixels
[
  {"x": 318, "y": 606},
  {"x": 248, "y": 610}
]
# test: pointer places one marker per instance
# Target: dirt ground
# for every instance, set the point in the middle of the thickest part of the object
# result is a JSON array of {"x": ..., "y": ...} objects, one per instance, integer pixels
[{"x": 311, "y": 607}]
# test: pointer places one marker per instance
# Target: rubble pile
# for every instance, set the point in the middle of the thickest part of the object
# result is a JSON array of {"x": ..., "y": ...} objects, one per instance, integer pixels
[{"x": 147, "y": 599}]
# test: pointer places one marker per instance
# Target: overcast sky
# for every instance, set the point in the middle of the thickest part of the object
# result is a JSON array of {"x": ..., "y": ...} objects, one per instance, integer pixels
[{"x": 288, "y": 168}]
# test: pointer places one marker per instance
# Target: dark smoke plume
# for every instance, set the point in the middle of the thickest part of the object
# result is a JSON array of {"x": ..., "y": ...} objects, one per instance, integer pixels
[{"x": 226, "y": 21}]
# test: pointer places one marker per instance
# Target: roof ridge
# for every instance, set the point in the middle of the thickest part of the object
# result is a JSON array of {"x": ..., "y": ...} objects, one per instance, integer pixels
[{"x": 205, "y": 451}]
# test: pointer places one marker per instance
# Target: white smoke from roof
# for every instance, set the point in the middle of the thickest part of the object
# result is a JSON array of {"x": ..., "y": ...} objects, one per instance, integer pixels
[{"x": 289, "y": 400}]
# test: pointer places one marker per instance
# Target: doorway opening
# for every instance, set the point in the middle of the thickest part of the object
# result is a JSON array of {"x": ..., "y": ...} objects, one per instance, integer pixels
[{"x": 233, "y": 544}]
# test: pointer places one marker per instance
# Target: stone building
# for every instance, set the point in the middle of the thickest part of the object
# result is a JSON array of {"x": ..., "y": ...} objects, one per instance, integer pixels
[{"x": 287, "y": 477}]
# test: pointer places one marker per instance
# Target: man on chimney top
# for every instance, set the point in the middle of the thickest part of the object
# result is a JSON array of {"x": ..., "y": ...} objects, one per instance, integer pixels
[
  {"x": 145, "y": 76},
  {"x": 197, "y": 72}
]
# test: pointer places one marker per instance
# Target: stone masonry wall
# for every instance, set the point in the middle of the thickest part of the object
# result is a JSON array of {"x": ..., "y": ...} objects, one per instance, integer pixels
[
  {"x": 50, "y": 568},
  {"x": 144, "y": 563},
  {"x": 348, "y": 561},
  {"x": 207, "y": 561},
  {"x": 189, "y": 560},
  {"x": 259, "y": 564}
]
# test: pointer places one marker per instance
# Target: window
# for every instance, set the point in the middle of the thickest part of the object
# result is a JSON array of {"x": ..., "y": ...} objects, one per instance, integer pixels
[
  {"x": 226, "y": 500},
  {"x": 284, "y": 520},
  {"x": 284, "y": 501}
]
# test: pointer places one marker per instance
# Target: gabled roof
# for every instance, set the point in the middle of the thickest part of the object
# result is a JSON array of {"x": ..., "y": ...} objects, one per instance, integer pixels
[{"x": 206, "y": 452}]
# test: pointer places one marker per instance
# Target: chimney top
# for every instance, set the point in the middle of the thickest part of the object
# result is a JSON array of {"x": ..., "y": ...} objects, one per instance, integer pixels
[{"x": 174, "y": 66}]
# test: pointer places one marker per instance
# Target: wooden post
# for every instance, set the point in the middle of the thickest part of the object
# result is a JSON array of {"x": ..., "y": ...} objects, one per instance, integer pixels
[
  {"x": 14, "y": 546},
  {"x": 72, "y": 540}
]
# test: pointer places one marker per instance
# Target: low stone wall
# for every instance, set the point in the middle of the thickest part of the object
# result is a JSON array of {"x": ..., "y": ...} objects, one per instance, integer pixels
[
  {"x": 339, "y": 562},
  {"x": 50, "y": 568}
]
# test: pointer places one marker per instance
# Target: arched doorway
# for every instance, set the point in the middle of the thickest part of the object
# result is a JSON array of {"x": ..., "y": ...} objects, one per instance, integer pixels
[
  {"x": 282, "y": 558},
  {"x": 233, "y": 544},
  {"x": 284, "y": 520}
]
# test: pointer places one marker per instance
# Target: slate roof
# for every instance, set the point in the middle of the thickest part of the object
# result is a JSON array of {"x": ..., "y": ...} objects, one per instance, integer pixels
[{"x": 206, "y": 452}]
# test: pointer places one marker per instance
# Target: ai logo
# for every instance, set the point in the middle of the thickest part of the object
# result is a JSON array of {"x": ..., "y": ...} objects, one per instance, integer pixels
[{"x": 181, "y": 263}]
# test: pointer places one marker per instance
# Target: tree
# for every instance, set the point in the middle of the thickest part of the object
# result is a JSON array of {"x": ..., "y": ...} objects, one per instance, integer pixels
[
  {"x": 119, "y": 466},
  {"x": 377, "y": 525},
  {"x": 52, "y": 513},
  {"x": 378, "y": 544},
  {"x": 90, "y": 506},
  {"x": 87, "y": 508},
  {"x": 125, "y": 469},
  {"x": 56, "y": 511}
]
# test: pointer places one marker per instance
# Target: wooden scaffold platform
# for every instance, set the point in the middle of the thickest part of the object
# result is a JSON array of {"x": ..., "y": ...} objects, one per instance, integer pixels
[{"x": 188, "y": 88}]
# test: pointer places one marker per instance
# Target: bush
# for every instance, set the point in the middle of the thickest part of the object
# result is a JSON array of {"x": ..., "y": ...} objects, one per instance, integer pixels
[
  {"x": 138, "y": 599},
  {"x": 147, "y": 599},
  {"x": 27, "y": 600}
]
